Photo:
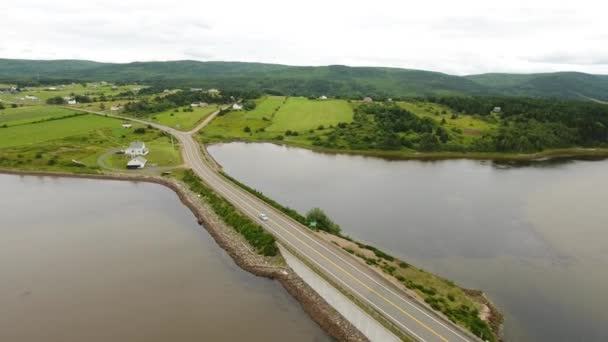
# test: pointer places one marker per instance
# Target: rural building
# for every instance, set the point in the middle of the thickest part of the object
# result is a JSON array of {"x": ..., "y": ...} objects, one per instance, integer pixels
[
  {"x": 199, "y": 104},
  {"x": 32, "y": 98},
  {"x": 166, "y": 91},
  {"x": 497, "y": 110},
  {"x": 213, "y": 91},
  {"x": 51, "y": 88},
  {"x": 323, "y": 97},
  {"x": 368, "y": 99},
  {"x": 72, "y": 102},
  {"x": 137, "y": 148},
  {"x": 237, "y": 106},
  {"x": 126, "y": 125},
  {"x": 196, "y": 89},
  {"x": 137, "y": 163},
  {"x": 115, "y": 108}
]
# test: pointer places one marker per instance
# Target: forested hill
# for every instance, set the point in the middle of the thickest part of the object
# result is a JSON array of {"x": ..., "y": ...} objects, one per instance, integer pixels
[{"x": 334, "y": 80}]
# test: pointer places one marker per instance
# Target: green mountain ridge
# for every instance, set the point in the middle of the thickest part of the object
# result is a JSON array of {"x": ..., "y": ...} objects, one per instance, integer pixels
[{"x": 331, "y": 80}]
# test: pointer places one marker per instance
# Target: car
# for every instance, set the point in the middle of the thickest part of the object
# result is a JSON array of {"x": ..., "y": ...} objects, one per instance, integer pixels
[{"x": 263, "y": 217}]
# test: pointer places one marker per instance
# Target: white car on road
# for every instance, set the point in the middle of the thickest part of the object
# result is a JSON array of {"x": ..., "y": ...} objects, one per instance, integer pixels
[{"x": 263, "y": 217}]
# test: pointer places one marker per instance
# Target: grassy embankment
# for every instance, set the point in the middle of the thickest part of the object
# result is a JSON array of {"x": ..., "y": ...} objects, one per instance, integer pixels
[
  {"x": 47, "y": 138},
  {"x": 260, "y": 239},
  {"x": 466, "y": 309}
]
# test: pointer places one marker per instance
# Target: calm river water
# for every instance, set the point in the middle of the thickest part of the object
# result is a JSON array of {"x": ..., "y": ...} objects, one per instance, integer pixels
[
  {"x": 91, "y": 260},
  {"x": 535, "y": 238}
]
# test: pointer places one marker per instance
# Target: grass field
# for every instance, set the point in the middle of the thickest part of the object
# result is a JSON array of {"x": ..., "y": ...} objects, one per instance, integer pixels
[
  {"x": 300, "y": 114},
  {"x": 274, "y": 115},
  {"x": 53, "y": 145},
  {"x": 23, "y": 115},
  {"x": 162, "y": 153},
  {"x": 43, "y": 93},
  {"x": 466, "y": 127},
  {"x": 184, "y": 121}
]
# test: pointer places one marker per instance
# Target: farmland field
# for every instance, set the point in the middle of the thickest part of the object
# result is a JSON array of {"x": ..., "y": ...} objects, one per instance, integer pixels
[
  {"x": 44, "y": 93},
  {"x": 185, "y": 120},
  {"x": 23, "y": 115},
  {"x": 298, "y": 114},
  {"x": 275, "y": 115}
]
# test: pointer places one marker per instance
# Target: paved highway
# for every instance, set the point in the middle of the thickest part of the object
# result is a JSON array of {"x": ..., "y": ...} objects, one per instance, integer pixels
[{"x": 360, "y": 280}]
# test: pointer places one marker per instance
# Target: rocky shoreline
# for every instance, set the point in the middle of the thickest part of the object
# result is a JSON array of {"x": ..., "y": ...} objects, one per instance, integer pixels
[{"x": 332, "y": 322}]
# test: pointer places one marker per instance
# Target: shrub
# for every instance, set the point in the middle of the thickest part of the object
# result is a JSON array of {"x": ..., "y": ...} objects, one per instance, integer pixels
[
  {"x": 139, "y": 130},
  {"x": 261, "y": 240}
]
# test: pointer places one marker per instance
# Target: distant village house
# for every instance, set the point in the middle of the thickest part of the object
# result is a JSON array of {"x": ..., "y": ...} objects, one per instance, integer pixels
[
  {"x": 368, "y": 99},
  {"x": 237, "y": 106},
  {"x": 199, "y": 104},
  {"x": 31, "y": 98},
  {"x": 126, "y": 125},
  {"x": 497, "y": 110},
  {"x": 323, "y": 97},
  {"x": 115, "y": 108}
]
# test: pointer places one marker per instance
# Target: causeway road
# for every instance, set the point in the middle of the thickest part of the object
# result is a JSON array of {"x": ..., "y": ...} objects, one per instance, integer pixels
[{"x": 359, "y": 280}]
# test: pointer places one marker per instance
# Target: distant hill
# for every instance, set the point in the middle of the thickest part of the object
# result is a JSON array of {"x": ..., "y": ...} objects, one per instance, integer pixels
[
  {"x": 335, "y": 80},
  {"x": 559, "y": 84}
]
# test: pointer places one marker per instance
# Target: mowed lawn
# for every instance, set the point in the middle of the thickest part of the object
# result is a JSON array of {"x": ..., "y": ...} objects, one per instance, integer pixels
[
  {"x": 184, "y": 121},
  {"x": 51, "y": 130},
  {"x": 27, "y": 114},
  {"x": 300, "y": 114}
]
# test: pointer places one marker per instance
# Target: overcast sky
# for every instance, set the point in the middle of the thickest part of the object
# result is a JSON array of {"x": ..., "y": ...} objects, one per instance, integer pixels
[{"x": 457, "y": 37}]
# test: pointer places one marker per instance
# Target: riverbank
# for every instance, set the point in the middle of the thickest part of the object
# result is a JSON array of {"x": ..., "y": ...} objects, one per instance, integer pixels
[
  {"x": 565, "y": 153},
  {"x": 244, "y": 256}
]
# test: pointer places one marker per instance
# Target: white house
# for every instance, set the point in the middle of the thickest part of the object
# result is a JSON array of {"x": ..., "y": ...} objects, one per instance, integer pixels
[
  {"x": 323, "y": 97},
  {"x": 237, "y": 106},
  {"x": 368, "y": 99},
  {"x": 213, "y": 91},
  {"x": 30, "y": 97},
  {"x": 497, "y": 110},
  {"x": 126, "y": 125},
  {"x": 52, "y": 88},
  {"x": 72, "y": 102},
  {"x": 137, "y": 148},
  {"x": 137, "y": 163}
]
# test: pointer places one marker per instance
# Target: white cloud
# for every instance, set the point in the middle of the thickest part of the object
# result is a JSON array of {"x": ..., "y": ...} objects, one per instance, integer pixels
[{"x": 460, "y": 37}]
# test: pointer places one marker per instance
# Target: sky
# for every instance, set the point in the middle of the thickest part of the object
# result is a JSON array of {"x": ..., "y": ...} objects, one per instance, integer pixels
[{"x": 456, "y": 37}]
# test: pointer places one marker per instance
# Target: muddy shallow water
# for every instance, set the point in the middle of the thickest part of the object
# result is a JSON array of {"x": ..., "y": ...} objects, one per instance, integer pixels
[{"x": 99, "y": 260}]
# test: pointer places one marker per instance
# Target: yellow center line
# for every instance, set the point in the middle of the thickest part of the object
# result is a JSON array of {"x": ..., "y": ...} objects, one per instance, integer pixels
[{"x": 361, "y": 283}]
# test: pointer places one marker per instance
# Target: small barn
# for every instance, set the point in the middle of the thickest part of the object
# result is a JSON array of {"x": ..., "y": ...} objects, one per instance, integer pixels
[{"x": 137, "y": 163}]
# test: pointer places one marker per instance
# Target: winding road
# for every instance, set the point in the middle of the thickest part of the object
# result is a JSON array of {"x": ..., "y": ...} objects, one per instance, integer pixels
[{"x": 412, "y": 318}]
